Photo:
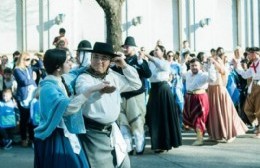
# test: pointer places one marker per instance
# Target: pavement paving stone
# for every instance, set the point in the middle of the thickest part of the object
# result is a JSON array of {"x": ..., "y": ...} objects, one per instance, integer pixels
[{"x": 243, "y": 152}]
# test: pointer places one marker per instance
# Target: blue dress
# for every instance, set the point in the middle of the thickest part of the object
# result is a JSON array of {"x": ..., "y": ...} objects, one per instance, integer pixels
[
  {"x": 178, "y": 88},
  {"x": 56, "y": 152},
  {"x": 52, "y": 149}
]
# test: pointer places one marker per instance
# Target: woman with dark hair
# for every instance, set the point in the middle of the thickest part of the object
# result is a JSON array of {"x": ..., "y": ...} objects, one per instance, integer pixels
[
  {"x": 212, "y": 52},
  {"x": 162, "y": 116},
  {"x": 202, "y": 58},
  {"x": 56, "y": 144}
]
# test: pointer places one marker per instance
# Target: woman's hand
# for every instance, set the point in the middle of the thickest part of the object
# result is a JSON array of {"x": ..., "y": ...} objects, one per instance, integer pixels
[{"x": 150, "y": 58}]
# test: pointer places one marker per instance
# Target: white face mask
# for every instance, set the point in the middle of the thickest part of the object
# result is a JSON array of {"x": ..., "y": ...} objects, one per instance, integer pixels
[{"x": 84, "y": 58}]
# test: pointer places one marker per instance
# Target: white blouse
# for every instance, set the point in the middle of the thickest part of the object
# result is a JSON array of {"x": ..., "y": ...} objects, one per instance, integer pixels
[{"x": 160, "y": 70}]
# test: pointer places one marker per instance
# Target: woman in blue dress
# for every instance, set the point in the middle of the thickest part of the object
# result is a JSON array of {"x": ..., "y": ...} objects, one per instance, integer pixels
[{"x": 56, "y": 143}]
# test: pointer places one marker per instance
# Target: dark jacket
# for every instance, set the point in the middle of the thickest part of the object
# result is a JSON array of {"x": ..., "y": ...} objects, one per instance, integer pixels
[
  {"x": 23, "y": 82},
  {"x": 143, "y": 71}
]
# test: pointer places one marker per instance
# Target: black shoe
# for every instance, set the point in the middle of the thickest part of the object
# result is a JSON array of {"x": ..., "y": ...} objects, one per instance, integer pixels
[
  {"x": 140, "y": 153},
  {"x": 158, "y": 151},
  {"x": 131, "y": 152}
]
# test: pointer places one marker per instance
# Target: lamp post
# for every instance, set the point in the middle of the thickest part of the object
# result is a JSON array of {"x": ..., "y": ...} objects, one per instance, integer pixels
[{"x": 59, "y": 19}]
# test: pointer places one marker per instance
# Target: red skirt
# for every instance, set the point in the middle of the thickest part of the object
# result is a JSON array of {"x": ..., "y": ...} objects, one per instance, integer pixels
[{"x": 196, "y": 110}]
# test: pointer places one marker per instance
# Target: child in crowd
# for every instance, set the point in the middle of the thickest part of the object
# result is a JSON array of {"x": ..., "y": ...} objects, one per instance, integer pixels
[
  {"x": 9, "y": 82},
  {"x": 9, "y": 118}
]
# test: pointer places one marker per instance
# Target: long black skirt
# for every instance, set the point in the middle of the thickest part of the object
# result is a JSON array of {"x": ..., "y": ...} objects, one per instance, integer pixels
[
  {"x": 162, "y": 118},
  {"x": 56, "y": 152}
]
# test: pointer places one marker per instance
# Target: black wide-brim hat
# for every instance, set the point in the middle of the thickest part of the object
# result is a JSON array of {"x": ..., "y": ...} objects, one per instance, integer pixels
[
  {"x": 103, "y": 48},
  {"x": 253, "y": 49},
  {"x": 84, "y": 45},
  {"x": 129, "y": 41}
]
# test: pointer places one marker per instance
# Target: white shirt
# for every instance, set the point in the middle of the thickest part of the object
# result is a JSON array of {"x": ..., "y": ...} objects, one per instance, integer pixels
[
  {"x": 253, "y": 71},
  {"x": 250, "y": 72},
  {"x": 105, "y": 108},
  {"x": 160, "y": 70},
  {"x": 201, "y": 79}
]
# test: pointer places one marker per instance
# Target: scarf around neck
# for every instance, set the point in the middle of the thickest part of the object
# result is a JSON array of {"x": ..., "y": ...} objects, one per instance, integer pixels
[{"x": 96, "y": 74}]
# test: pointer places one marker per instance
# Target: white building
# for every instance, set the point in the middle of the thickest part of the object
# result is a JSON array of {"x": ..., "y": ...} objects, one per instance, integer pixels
[{"x": 31, "y": 25}]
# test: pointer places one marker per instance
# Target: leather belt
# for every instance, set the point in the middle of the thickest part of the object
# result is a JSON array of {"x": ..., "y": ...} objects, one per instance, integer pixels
[
  {"x": 89, "y": 123},
  {"x": 198, "y": 91}
]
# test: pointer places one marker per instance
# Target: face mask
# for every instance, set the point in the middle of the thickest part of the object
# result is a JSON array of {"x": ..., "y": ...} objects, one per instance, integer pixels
[{"x": 84, "y": 58}]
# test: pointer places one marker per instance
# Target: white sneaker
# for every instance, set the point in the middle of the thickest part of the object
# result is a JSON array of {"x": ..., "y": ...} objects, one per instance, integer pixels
[
  {"x": 231, "y": 140},
  {"x": 197, "y": 143}
]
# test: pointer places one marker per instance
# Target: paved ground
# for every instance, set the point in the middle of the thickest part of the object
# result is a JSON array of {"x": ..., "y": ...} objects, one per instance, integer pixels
[{"x": 244, "y": 152}]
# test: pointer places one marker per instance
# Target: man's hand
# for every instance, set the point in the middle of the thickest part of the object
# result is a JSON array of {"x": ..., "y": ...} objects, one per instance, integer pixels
[
  {"x": 142, "y": 55},
  {"x": 108, "y": 89},
  {"x": 120, "y": 60},
  {"x": 99, "y": 87}
]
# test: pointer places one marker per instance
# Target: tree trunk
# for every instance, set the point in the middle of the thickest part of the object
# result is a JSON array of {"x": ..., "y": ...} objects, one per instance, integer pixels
[{"x": 112, "y": 9}]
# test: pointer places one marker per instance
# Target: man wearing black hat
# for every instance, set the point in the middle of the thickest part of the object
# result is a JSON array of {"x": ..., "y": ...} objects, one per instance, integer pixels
[
  {"x": 133, "y": 106},
  {"x": 103, "y": 141},
  {"x": 252, "y": 104}
]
